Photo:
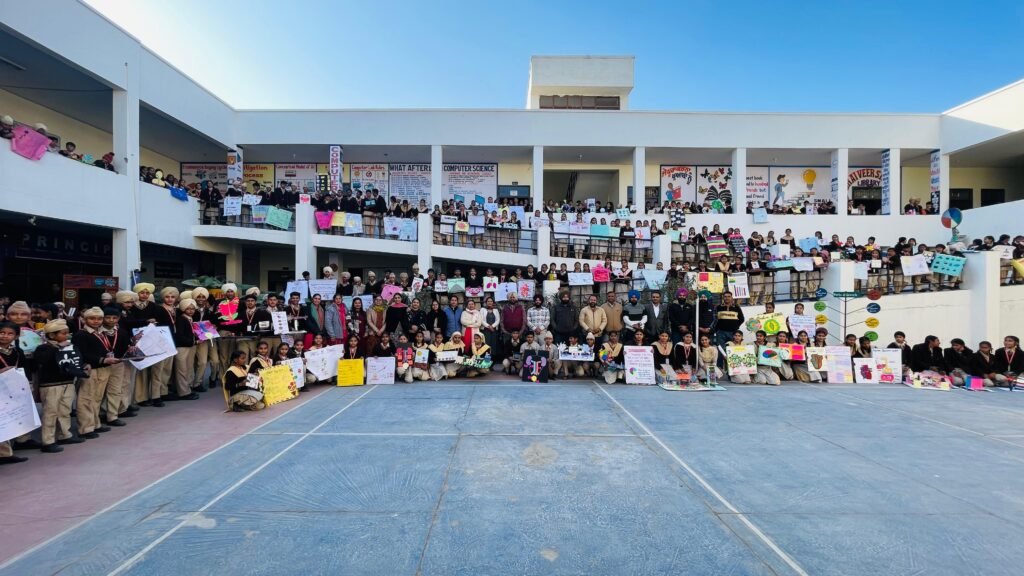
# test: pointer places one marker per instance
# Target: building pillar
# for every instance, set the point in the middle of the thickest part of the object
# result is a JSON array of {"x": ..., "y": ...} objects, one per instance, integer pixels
[
  {"x": 739, "y": 181},
  {"x": 837, "y": 278},
  {"x": 424, "y": 242},
  {"x": 544, "y": 254},
  {"x": 663, "y": 250},
  {"x": 127, "y": 255},
  {"x": 305, "y": 252},
  {"x": 639, "y": 176},
  {"x": 840, "y": 170},
  {"x": 895, "y": 183},
  {"x": 538, "y": 178},
  {"x": 981, "y": 280},
  {"x": 436, "y": 175},
  {"x": 233, "y": 264},
  {"x": 944, "y": 184}
]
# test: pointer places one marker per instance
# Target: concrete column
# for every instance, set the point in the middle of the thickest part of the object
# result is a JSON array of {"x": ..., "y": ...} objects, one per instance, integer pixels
[
  {"x": 840, "y": 168},
  {"x": 127, "y": 254},
  {"x": 538, "y": 178},
  {"x": 233, "y": 264},
  {"x": 895, "y": 182},
  {"x": 424, "y": 242},
  {"x": 544, "y": 254},
  {"x": 436, "y": 176},
  {"x": 943, "y": 183},
  {"x": 838, "y": 278},
  {"x": 663, "y": 250},
  {"x": 639, "y": 176},
  {"x": 305, "y": 252},
  {"x": 981, "y": 279},
  {"x": 739, "y": 181}
]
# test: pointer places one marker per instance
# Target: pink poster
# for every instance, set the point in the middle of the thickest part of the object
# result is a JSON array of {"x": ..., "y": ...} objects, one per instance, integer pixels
[
  {"x": 601, "y": 274},
  {"x": 29, "y": 143},
  {"x": 323, "y": 220},
  {"x": 204, "y": 330},
  {"x": 388, "y": 292}
]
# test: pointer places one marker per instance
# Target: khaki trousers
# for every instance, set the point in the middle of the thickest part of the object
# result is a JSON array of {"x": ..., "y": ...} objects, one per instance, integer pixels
[
  {"x": 90, "y": 397},
  {"x": 225, "y": 346},
  {"x": 118, "y": 396},
  {"x": 247, "y": 345},
  {"x": 5, "y": 449},
  {"x": 161, "y": 376},
  {"x": 56, "y": 411},
  {"x": 206, "y": 355},
  {"x": 184, "y": 369},
  {"x": 146, "y": 387}
]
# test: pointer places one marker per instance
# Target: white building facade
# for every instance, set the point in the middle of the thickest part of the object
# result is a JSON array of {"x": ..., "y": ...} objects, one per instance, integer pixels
[{"x": 576, "y": 125}]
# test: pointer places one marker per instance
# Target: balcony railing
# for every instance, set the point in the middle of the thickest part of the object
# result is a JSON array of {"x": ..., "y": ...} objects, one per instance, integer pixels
[
  {"x": 356, "y": 225},
  {"x": 265, "y": 217},
  {"x": 580, "y": 246},
  {"x": 497, "y": 238}
]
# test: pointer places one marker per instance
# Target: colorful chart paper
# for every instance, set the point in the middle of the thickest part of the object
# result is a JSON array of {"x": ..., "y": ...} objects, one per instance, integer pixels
[
  {"x": 278, "y": 385},
  {"x": 350, "y": 372},
  {"x": 741, "y": 359}
]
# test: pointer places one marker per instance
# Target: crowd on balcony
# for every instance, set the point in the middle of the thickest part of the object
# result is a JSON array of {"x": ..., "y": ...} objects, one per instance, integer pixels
[{"x": 36, "y": 141}]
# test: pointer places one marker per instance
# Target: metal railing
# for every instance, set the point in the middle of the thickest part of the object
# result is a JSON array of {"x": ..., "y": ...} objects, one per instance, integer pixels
[
  {"x": 214, "y": 216},
  {"x": 1008, "y": 275},
  {"x": 501, "y": 239},
  {"x": 382, "y": 227},
  {"x": 579, "y": 246}
]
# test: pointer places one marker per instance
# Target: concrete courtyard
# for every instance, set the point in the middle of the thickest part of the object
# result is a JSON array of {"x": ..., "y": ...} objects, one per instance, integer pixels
[{"x": 502, "y": 477}]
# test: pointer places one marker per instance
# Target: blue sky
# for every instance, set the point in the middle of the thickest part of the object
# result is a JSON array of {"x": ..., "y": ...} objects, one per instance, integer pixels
[{"x": 888, "y": 56}]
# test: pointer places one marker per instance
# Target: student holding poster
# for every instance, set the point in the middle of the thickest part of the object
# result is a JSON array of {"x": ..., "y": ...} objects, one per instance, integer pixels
[{"x": 241, "y": 392}]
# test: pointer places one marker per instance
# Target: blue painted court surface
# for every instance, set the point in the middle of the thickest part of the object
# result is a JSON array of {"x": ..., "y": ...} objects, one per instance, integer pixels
[{"x": 509, "y": 478}]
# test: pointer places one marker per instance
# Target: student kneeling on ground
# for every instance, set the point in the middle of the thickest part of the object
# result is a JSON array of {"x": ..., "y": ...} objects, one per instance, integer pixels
[
  {"x": 240, "y": 396},
  {"x": 765, "y": 374},
  {"x": 421, "y": 370},
  {"x": 1009, "y": 363},
  {"x": 958, "y": 360},
  {"x": 480, "y": 352},
  {"x": 612, "y": 359},
  {"x": 404, "y": 356},
  {"x": 513, "y": 356}
]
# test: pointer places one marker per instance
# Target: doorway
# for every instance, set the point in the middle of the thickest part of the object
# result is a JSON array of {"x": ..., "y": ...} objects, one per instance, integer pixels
[
  {"x": 990, "y": 196},
  {"x": 573, "y": 185}
]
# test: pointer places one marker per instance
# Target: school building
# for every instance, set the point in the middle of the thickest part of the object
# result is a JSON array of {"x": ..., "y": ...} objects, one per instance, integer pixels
[{"x": 64, "y": 65}]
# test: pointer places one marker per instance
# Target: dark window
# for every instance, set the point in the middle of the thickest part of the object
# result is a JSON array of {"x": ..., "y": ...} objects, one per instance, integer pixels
[
  {"x": 576, "y": 102},
  {"x": 990, "y": 196},
  {"x": 962, "y": 198}
]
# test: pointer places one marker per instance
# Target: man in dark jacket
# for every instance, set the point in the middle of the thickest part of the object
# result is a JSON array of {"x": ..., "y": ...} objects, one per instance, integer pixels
[
  {"x": 680, "y": 317},
  {"x": 928, "y": 356},
  {"x": 657, "y": 317},
  {"x": 728, "y": 319},
  {"x": 564, "y": 319}
]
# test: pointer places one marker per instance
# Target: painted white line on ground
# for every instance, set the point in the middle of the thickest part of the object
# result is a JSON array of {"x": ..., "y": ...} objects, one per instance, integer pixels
[
  {"x": 151, "y": 484},
  {"x": 428, "y": 434},
  {"x": 704, "y": 483},
  {"x": 142, "y": 553}
]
